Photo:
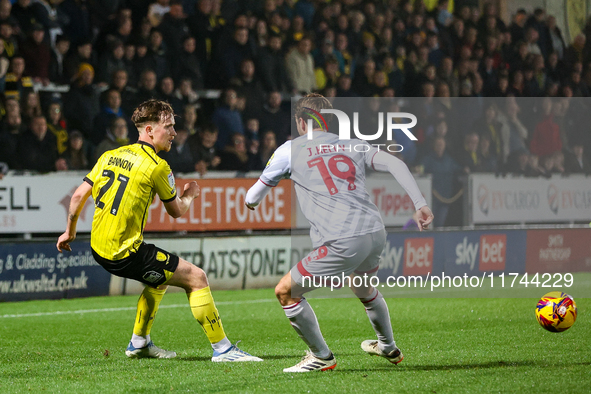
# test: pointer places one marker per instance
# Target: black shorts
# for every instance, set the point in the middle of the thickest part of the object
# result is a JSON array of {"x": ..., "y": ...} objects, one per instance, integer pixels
[{"x": 150, "y": 265}]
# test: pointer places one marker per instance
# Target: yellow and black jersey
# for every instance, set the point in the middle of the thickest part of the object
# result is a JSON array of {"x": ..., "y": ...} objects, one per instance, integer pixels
[{"x": 124, "y": 183}]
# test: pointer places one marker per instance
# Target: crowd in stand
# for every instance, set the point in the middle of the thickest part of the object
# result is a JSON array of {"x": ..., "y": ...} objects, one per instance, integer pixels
[{"x": 114, "y": 55}]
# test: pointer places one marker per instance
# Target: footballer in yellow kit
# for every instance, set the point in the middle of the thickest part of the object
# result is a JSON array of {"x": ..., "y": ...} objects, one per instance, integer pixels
[{"x": 123, "y": 184}]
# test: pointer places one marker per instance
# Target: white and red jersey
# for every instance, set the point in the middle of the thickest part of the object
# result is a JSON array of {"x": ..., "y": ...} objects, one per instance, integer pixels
[{"x": 329, "y": 177}]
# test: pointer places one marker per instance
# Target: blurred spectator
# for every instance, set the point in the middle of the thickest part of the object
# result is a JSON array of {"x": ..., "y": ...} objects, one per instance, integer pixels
[
  {"x": 31, "y": 107},
  {"x": 75, "y": 155},
  {"x": 187, "y": 65},
  {"x": 394, "y": 76},
  {"x": 444, "y": 171},
  {"x": 533, "y": 168},
  {"x": 141, "y": 61},
  {"x": 23, "y": 12},
  {"x": 344, "y": 86},
  {"x": 5, "y": 13},
  {"x": 517, "y": 27},
  {"x": 117, "y": 136},
  {"x": 206, "y": 155},
  {"x": 185, "y": 92},
  {"x": 157, "y": 53},
  {"x": 488, "y": 162},
  {"x": 546, "y": 136},
  {"x": 189, "y": 119},
  {"x": 271, "y": 66},
  {"x": 577, "y": 162},
  {"x": 250, "y": 87},
  {"x": 252, "y": 129},
  {"x": 556, "y": 44},
  {"x": 362, "y": 82},
  {"x": 236, "y": 156},
  {"x": 17, "y": 84},
  {"x": 267, "y": 147},
  {"x": 554, "y": 68},
  {"x": 180, "y": 157},
  {"x": 490, "y": 126},
  {"x": 110, "y": 109},
  {"x": 275, "y": 118},
  {"x": 468, "y": 158},
  {"x": 514, "y": 133},
  {"x": 558, "y": 165},
  {"x": 111, "y": 61},
  {"x": 261, "y": 31},
  {"x": 546, "y": 166},
  {"x": 157, "y": 10},
  {"x": 300, "y": 66},
  {"x": 78, "y": 27},
  {"x": 206, "y": 28},
  {"x": 82, "y": 101},
  {"x": 37, "y": 149},
  {"x": 345, "y": 57},
  {"x": 227, "y": 119},
  {"x": 174, "y": 28},
  {"x": 232, "y": 56},
  {"x": 575, "y": 52},
  {"x": 518, "y": 163},
  {"x": 12, "y": 130},
  {"x": 129, "y": 57},
  {"x": 147, "y": 87},
  {"x": 167, "y": 94},
  {"x": 37, "y": 54},
  {"x": 119, "y": 82},
  {"x": 83, "y": 54},
  {"x": 531, "y": 39},
  {"x": 57, "y": 72},
  {"x": 9, "y": 38},
  {"x": 57, "y": 125}
]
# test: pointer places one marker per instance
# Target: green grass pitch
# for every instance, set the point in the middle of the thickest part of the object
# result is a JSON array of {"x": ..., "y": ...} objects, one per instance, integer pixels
[{"x": 467, "y": 345}]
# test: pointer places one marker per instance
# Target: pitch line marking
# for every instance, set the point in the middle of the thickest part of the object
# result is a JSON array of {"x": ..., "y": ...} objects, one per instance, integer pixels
[{"x": 129, "y": 308}]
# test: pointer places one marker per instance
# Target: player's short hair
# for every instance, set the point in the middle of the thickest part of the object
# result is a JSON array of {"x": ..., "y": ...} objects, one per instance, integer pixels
[
  {"x": 151, "y": 111},
  {"x": 313, "y": 101}
]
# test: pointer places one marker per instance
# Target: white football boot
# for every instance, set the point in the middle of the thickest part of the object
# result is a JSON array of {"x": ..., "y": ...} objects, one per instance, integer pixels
[
  {"x": 311, "y": 363},
  {"x": 371, "y": 347}
]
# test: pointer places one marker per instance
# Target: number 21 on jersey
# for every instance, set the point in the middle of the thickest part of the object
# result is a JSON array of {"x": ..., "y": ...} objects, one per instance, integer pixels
[{"x": 123, "y": 180}]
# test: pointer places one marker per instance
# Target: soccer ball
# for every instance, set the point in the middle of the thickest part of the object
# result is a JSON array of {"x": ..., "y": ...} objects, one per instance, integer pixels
[{"x": 556, "y": 311}]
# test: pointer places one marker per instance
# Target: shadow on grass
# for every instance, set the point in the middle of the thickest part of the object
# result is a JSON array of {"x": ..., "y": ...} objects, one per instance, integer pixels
[
  {"x": 264, "y": 357},
  {"x": 454, "y": 367}
]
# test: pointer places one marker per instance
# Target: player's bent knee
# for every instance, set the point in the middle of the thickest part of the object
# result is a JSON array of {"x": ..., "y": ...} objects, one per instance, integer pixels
[{"x": 283, "y": 293}]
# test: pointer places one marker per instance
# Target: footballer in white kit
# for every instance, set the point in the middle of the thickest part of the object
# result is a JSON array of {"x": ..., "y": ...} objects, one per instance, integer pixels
[{"x": 347, "y": 230}]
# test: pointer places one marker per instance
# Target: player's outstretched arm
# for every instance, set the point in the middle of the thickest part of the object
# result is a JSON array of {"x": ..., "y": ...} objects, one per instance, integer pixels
[
  {"x": 255, "y": 194},
  {"x": 76, "y": 204},
  {"x": 382, "y": 161},
  {"x": 177, "y": 207}
]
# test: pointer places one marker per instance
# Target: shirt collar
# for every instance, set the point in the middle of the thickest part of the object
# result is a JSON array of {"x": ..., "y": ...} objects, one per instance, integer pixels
[{"x": 147, "y": 144}]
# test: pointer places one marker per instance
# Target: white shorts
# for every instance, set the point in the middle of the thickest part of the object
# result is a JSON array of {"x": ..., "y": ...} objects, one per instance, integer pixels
[{"x": 359, "y": 254}]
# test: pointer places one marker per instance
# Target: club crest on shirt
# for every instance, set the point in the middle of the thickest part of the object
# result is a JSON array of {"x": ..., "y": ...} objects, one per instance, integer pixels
[{"x": 161, "y": 256}]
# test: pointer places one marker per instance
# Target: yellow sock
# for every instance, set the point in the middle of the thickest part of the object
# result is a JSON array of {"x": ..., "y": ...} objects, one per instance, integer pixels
[
  {"x": 147, "y": 306},
  {"x": 204, "y": 310}
]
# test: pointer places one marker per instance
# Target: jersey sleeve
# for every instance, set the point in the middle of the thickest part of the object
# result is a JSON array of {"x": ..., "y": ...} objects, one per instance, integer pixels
[
  {"x": 164, "y": 182},
  {"x": 369, "y": 154},
  {"x": 94, "y": 175},
  {"x": 278, "y": 167}
]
